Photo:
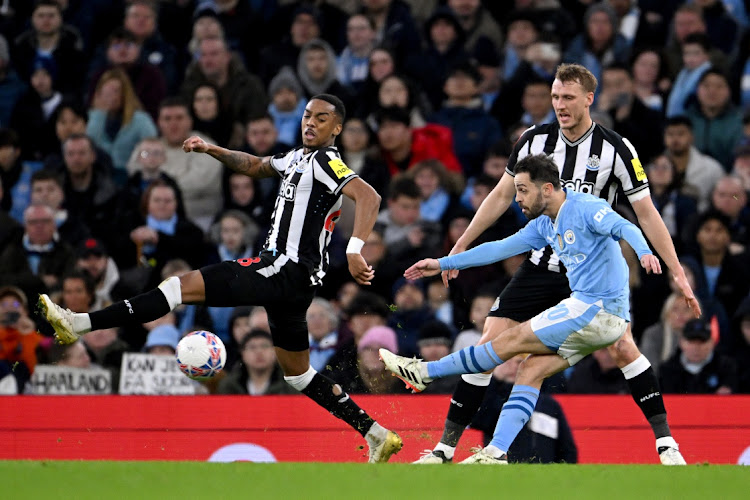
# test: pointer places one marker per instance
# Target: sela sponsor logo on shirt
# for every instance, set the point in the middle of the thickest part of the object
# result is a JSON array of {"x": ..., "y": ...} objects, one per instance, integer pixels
[
  {"x": 288, "y": 190},
  {"x": 339, "y": 168},
  {"x": 593, "y": 163},
  {"x": 578, "y": 185}
]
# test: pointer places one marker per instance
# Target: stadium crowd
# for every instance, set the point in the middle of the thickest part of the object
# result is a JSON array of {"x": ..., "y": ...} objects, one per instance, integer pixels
[{"x": 98, "y": 202}]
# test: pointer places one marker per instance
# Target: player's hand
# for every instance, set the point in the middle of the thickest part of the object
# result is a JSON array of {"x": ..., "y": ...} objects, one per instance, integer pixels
[
  {"x": 359, "y": 269},
  {"x": 195, "y": 144},
  {"x": 453, "y": 273},
  {"x": 651, "y": 264},
  {"x": 423, "y": 269},
  {"x": 682, "y": 283}
]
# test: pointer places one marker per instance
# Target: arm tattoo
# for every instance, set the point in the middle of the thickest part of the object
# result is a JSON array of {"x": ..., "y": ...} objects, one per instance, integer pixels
[{"x": 244, "y": 163}]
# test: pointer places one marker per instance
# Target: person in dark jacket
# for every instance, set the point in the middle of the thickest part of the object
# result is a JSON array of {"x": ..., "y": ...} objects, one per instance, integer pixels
[
  {"x": 597, "y": 374},
  {"x": 547, "y": 437}
]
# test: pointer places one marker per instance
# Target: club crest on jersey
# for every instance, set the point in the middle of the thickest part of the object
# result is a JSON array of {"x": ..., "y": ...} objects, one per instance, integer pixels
[
  {"x": 569, "y": 237},
  {"x": 578, "y": 185},
  {"x": 593, "y": 163}
]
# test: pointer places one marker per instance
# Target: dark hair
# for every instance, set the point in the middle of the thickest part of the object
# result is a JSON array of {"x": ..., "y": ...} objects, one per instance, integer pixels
[
  {"x": 46, "y": 175},
  {"x": 485, "y": 180},
  {"x": 678, "y": 120},
  {"x": 659, "y": 54},
  {"x": 77, "y": 137},
  {"x": 578, "y": 74},
  {"x": 713, "y": 70},
  {"x": 173, "y": 102},
  {"x": 121, "y": 34},
  {"x": 262, "y": 116},
  {"x": 368, "y": 303},
  {"x": 337, "y": 103},
  {"x": 395, "y": 114},
  {"x": 403, "y": 186},
  {"x": 541, "y": 169},
  {"x": 698, "y": 39},
  {"x": 47, "y": 3},
  {"x": 147, "y": 194},
  {"x": 618, "y": 66},
  {"x": 75, "y": 106},
  {"x": 502, "y": 148},
  {"x": 88, "y": 283},
  {"x": 713, "y": 214},
  {"x": 9, "y": 137}
]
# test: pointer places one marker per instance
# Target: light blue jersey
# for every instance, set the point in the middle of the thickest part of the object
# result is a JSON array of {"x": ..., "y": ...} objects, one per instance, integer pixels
[{"x": 584, "y": 235}]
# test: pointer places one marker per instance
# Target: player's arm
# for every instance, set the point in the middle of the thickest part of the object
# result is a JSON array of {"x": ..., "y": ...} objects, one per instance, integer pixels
[
  {"x": 658, "y": 234},
  {"x": 244, "y": 163},
  {"x": 495, "y": 205},
  {"x": 367, "y": 204}
]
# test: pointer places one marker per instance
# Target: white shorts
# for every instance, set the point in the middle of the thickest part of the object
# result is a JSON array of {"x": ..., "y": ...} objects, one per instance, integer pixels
[{"x": 575, "y": 329}]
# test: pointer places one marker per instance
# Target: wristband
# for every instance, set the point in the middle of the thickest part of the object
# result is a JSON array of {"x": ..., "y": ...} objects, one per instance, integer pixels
[{"x": 355, "y": 245}]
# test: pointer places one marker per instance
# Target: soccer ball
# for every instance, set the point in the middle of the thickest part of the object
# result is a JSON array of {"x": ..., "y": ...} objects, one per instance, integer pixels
[{"x": 201, "y": 355}]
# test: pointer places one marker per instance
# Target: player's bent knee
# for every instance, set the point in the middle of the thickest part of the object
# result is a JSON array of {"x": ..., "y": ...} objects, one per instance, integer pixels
[
  {"x": 624, "y": 351},
  {"x": 192, "y": 288},
  {"x": 494, "y": 327}
]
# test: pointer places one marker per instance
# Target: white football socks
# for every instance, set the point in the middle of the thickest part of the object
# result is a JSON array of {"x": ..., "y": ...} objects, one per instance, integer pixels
[{"x": 81, "y": 323}]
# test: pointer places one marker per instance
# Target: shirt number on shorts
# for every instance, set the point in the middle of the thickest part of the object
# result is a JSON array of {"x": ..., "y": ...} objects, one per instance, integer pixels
[
  {"x": 248, "y": 262},
  {"x": 557, "y": 312}
]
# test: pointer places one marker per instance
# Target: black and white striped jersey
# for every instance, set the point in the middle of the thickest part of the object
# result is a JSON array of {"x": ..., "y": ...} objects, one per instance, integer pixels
[
  {"x": 597, "y": 163},
  {"x": 307, "y": 206}
]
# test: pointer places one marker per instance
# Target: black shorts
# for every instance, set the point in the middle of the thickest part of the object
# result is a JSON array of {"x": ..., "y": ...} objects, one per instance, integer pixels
[
  {"x": 274, "y": 282},
  {"x": 531, "y": 290}
]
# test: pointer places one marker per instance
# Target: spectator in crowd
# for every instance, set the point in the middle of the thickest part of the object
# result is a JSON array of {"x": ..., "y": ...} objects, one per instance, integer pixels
[
  {"x": 477, "y": 24},
  {"x": 123, "y": 51},
  {"x": 547, "y": 440},
  {"x": 521, "y": 32},
  {"x": 697, "y": 368},
  {"x": 33, "y": 114},
  {"x": 368, "y": 375},
  {"x": 435, "y": 340},
  {"x": 11, "y": 85},
  {"x": 72, "y": 355},
  {"x": 48, "y": 38},
  {"x": 411, "y": 312},
  {"x": 141, "y": 19},
  {"x": 304, "y": 27},
  {"x": 208, "y": 117},
  {"x": 739, "y": 71},
  {"x": 687, "y": 20},
  {"x": 316, "y": 70},
  {"x": 632, "y": 119},
  {"x": 90, "y": 194},
  {"x": 11, "y": 231},
  {"x": 661, "y": 340},
  {"x": 18, "y": 341},
  {"x": 239, "y": 326},
  {"x": 597, "y": 374},
  {"x": 205, "y": 25},
  {"x": 720, "y": 275},
  {"x": 537, "y": 103},
  {"x": 258, "y": 373},
  {"x": 161, "y": 234},
  {"x": 695, "y": 61},
  {"x": 322, "y": 323},
  {"x": 394, "y": 25},
  {"x": 481, "y": 305},
  {"x": 105, "y": 349},
  {"x": 243, "y": 196},
  {"x": 198, "y": 176},
  {"x": 355, "y": 141},
  {"x": 436, "y": 189},
  {"x": 600, "y": 45},
  {"x": 116, "y": 120},
  {"x": 234, "y": 235},
  {"x": 47, "y": 189},
  {"x": 650, "y": 81},
  {"x": 717, "y": 123},
  {"x": 474, "y": 130},
  {"x": 741, "y": 345},
  {"x": 15, "y": 174},
  {"x": 94, "y": 260},
  {"x": 741, "y": 168},
  {"x": 162, "y": 340},
  {"x": 696, "y": 172},
  {"x": 241, "y": 94},
  {"x": 149, "y": 157},
  {"x": 382, "y": 63},
  {"x": 186, "y": 317},
  {"x": 38, "y": 264},
  {"x": 352, "y": 65},
  {"x": 399, "y": 91},
  {"x": 387, "y": 268},
  {"x": 721, "y": 27},
  {"x": 675, "y": 207},
  {"x": 444, "y": 39},
  {"x": 78, "y": 292},
  {"x": 287, "y": 105},
  {"x": 71, "y": 117},
  {"x": 730, "y": 198},
  {"x": 438, "y": 299}
]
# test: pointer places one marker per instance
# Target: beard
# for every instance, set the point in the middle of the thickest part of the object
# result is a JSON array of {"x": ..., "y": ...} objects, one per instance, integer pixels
[{"x": 535, "y": 209}]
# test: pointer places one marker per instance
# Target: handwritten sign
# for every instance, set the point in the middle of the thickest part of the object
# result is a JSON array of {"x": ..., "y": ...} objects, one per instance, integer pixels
[
  {"x": 153, "y": 374},
  {"x": 52, "y": 379}
]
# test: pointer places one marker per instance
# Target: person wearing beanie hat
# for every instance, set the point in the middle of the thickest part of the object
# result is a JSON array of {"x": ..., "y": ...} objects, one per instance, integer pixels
[
  {"x": 287, "y": 105},
  {"x": 162, "y": 340}
]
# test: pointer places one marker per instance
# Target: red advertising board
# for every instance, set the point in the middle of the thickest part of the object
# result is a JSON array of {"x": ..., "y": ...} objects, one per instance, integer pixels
[{"x": 607, "y": 429}]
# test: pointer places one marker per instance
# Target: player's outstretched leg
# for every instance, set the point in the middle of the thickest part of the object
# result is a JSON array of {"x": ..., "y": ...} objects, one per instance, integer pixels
[
  {"x": 382, "y": 442},
  {"x": 644, "y": 387},
  {"x": 154, "y": 304},
  {"x": 465, "y": 402},
  {"x": 517, "y": 410}
]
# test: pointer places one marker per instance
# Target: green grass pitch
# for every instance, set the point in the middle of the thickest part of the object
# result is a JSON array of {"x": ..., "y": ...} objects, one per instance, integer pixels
[{"x": 196, "y": 480}]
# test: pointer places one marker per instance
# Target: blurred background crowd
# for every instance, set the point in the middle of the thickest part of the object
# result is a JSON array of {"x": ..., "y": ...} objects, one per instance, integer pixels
[{"x": 98, "y": 201}]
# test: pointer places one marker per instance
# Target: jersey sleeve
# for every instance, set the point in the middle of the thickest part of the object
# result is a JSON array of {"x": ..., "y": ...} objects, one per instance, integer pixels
[
  {"x": 601, "y": 219},
  {"x": 280, "y": 161},
  {"x": 630, "y": 172},
  {"x": 487, "y": 253},
  {"x": 331, "y": 170},
  {"x": 520, "y": 150}
]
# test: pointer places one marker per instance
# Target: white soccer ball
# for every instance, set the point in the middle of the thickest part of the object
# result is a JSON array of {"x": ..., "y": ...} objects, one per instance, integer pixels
[{"x": 201, "y": 355}]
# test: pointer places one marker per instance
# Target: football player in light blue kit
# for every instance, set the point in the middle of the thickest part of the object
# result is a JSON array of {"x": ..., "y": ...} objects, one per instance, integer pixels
[{"x": 583, "y": 230}]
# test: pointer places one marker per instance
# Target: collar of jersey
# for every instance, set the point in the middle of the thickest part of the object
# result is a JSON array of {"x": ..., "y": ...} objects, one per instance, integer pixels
[
  {"x": 581, "y": 139},
  {"x": 559, "y": 210}
]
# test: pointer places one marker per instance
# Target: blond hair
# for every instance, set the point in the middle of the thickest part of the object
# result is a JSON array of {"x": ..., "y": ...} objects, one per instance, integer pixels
[
  {"x": 578, "y": 74},
  {"x": 130, "y": 101}
]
